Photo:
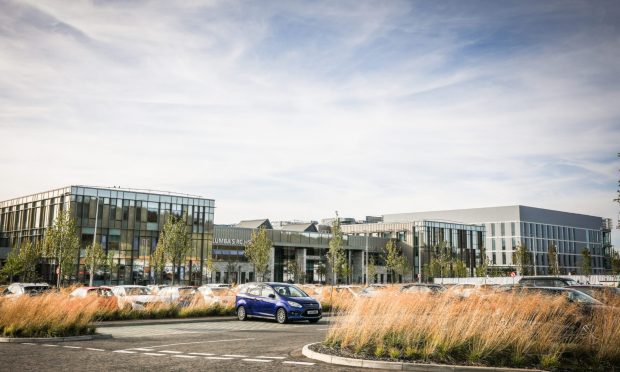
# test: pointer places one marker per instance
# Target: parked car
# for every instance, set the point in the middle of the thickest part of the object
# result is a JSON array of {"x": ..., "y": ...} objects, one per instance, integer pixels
[
  {"x": 92, "y": 291},
  {"x": 422, "y": 288},
  {"x": 585, "y": 302},
  {"x": 220, "y": 295},
  {"x": 281, "y": 301},
  {"x": 373, "y": 291},
  {"x": 182, "y": 296},
  {"x": 547, "y": 281},
  {"x": 30, "y": 289},
  {"x": 349, "y": 290},
  {"x": 600, "y": 292},
  {"x": 135, "y": 297},
  {"x": 154, "y": 288},
  {"x": 217, "y": 285}
]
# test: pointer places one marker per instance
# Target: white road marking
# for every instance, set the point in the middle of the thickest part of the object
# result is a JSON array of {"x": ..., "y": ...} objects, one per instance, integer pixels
[
  {"x": 270, "y": 357},
  {"x": 124, "y": 351},
  {"x": 322, "y": 329},
  {"x": 93, "y": 349},
  {"x": 154, "y": 354},
  {"x": 299, "y": 363},
  {"x": 201, "y": 342},
  {"x": 49, "y": 345},
  {"x": 141, "y": 349},
  {"x": 258, "y": 360},
  {"x": 27, "y": 343},
  {"x": 201, "y": 354},
  {"x": 218, "y": 358},
  {"x": 235, "y": 356},
  {"x": 185, "y": 356},
  {"x": 171, "y": 352},
  {"x": 72, "y": 347}
]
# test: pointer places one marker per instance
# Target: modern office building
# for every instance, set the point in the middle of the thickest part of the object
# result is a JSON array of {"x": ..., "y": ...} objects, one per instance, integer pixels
[
  {"x": 535, "y": 228},
  {"x": 419, "y": 241},
  {"x": 307, "y": 249},
  {"x": 128, "y": 225}
]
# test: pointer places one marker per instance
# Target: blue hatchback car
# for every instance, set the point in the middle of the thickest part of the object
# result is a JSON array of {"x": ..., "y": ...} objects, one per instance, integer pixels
[{"x": 280, "y": 301}]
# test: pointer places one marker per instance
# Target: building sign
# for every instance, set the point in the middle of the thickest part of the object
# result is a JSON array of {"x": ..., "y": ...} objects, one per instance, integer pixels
[{"x": 229, "y": 241}]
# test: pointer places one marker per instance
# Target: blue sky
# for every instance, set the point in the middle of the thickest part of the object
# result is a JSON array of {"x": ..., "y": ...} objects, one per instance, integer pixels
[{"x": 292, "y": 110}]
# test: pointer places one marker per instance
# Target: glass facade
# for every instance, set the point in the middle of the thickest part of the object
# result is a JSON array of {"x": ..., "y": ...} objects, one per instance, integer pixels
[{"x": 128, "y": 226}]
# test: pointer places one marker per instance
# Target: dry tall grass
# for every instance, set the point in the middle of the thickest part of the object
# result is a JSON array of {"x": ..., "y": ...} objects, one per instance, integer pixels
[
  {"x": 500, "y": 329},
  {"x": 49, "y": 315}
]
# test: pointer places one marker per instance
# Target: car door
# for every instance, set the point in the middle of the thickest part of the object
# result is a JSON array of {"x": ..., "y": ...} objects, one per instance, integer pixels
[
  {"x": 251, "y": 300},
  {"x": 267, "y": 301}
]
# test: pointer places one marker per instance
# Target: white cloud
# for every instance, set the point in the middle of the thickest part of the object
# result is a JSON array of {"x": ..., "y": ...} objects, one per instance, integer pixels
[{"x": 292, "y": 110}]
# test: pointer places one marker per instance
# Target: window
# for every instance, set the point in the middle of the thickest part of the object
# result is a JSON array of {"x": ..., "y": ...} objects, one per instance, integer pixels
[
  {"x": 512, "y": 229},
  {"x": 152, "y": 212},
  {"x": 503, "y": 258},
  {"x": 503, "y": 229},
  {"x": 503, "y": 244},
  {"x": 267, "y": 291},
  {"x": 492, "y": 229}
]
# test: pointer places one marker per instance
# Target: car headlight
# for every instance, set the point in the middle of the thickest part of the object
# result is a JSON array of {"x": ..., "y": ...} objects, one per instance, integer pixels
[{"x": 294, "y": 304}]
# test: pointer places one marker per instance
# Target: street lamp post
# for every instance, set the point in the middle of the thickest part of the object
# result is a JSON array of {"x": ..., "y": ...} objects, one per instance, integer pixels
[{"x": 92, "y": 264}]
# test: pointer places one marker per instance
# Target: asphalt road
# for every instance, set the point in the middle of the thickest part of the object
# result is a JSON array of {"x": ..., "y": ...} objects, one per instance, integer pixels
[{"x": 256, "y": 345}]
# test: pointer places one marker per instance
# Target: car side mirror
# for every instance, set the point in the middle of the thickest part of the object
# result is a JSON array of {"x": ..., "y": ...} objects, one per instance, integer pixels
[{"x": 271, "y": 295}]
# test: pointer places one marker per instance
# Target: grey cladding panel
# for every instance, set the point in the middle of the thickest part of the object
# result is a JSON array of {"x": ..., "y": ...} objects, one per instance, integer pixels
[{"x": 552, "y": 217}]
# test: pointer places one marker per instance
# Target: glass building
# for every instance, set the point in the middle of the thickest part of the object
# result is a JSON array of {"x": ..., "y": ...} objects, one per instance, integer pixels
[
  {"x": 537, "y": 230},
  {"x": 128, "y": 224},
  {"x": 417, "y": 238}
]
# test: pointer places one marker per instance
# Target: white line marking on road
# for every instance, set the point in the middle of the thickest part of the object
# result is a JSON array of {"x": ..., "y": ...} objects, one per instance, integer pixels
[
  {"x": 170, "y": 333},
  {"x": 235, "y": 356},
  {"x": 27, "y": 343},
  {"x": 201, "y": 354},
  {"x": 218, "y": 358},
  {"x": 171, "y": 352},
  {"x": 300, "y": 363},
  {"x": 322, "y": 329},
  {"x": 270, "y": 357},
  {"x": 124, "y": 351},
  {"x": 185, "y": 356},
  {"x": 141, "y": 349},
  {"x": 49, "y": 345},
  {"x": 258, "y": 360},
  {"x": 72, "y": 347},
  {"x": 93, "y": 349},
  {"x": 154, "y": 354},
  {"x": 201, "y": 342}
]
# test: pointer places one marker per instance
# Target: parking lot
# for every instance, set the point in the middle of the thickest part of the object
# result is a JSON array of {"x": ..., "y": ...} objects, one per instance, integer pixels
[{"x": 219, "y": 344}]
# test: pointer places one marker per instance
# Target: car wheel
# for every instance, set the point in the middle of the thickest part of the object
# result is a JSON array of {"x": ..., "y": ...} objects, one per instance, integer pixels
[
  {"x": 281, "y": 316},
  {"x": 313, "y": 320},
  {"x": 241, "y": 314}
]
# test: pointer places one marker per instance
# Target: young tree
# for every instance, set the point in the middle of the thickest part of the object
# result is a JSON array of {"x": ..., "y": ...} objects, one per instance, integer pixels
[
  {"x": 586, "y": 263},
  {"x": 460, "y": 270},
  {"x": 12, "y": 266},
  {"x": 395, "y": 262},
  {"x": 615, "y": 262},
  {"x": 258, "y": 252},
  {"x": 481, "y": 270},
  {"x": 159, "y": 263},
  {"x": 62, "y": 243},
  {"x": 443, "y": 258},
  {"x": 29, "y": 257},
  {"x": 521, "y": 258},
  {"x": 209, "y": 267},
  {"x": 231, "y": 268},
  {"x": 293, "y": 270},
  {"x": 321, "y": 271},
  {"x": 93, "y": 259},
  {"x": 335, "y": 254},
  {"x": 111, "y": 263},
  {"x": 372, "y": 270},
  {"x": 554, "y": 268},
  {"x": 176, "y": 243}
]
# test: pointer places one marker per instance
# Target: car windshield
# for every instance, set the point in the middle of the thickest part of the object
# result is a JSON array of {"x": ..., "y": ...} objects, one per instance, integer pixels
[
  {"x": 581, "y": 298},
  {"x": 136, "y": 291},
  {"x": 289, "y": 291},
  {"x": 35, "y": 289}
]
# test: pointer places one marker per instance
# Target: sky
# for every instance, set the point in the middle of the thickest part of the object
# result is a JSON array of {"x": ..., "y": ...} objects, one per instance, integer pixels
[{"x": 297, "y": 109}]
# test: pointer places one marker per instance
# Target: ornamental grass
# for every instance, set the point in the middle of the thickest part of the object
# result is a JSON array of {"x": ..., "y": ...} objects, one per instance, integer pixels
[
  {"x": 48, "y": 315},
  {"x": 499, "y": 329}
]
